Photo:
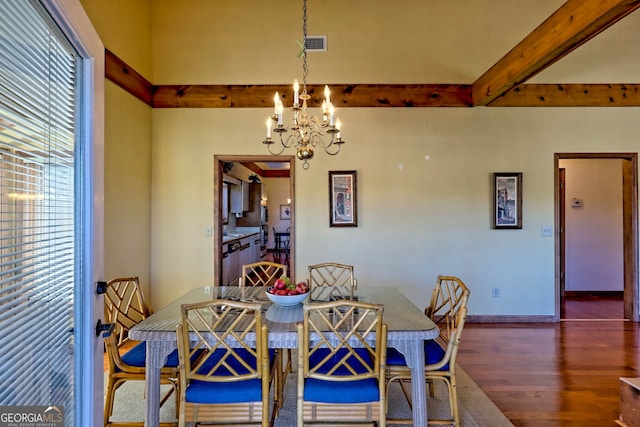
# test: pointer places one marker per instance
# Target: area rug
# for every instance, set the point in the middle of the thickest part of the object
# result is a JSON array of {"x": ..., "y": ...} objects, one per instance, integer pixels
[{"x": 476, "y": 409}]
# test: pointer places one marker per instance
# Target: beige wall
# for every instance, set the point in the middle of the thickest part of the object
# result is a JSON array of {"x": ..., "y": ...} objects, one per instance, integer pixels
[
  {"x": 417, "y": 217},
  {"x": 593, "y": 242},
  {"x": 127, "y": 187},
  {"x": 124, "y": 27},
  {"x": 278, "y": 191}
]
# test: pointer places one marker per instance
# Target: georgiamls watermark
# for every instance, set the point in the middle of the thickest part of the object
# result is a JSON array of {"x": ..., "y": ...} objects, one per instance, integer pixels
[{"x": 31, "y": 416}]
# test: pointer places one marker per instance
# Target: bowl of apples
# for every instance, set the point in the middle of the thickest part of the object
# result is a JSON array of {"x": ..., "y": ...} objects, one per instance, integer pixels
[{"x": 285, "y": 293}]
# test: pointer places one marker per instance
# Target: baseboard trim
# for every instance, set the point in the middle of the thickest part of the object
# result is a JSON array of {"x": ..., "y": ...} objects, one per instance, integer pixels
[
  {"x": 511, "y": 319},
  {"x": 619, "y": 294}
]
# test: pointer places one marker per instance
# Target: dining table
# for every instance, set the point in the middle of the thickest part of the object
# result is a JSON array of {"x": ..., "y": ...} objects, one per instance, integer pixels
[{"x": 407, "y": 330}]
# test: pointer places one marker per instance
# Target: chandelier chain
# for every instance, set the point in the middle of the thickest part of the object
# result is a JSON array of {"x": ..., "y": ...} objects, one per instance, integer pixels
[{"x": 305, "y": 68}]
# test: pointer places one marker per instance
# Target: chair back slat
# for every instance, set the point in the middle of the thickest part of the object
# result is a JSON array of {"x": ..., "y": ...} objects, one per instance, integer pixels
[
  {"x": 449, "y": 296},
  {"x": 226, "y": 336},
  {"x": 452, "y": 344},
  {"x": 341, "y": 340},
  {"x": 263, "y": 273},
  {"x": 331, "y": 280},
  {"x": 124, "y": 305}
]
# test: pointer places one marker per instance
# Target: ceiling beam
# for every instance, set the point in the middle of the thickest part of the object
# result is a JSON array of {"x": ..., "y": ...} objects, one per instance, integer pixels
[
  {"x": 342, "y": 95},
  {"x": 572, "y": 95},
  {"x": 118, "y": 72},
  {"x": 572, "y": 25}
]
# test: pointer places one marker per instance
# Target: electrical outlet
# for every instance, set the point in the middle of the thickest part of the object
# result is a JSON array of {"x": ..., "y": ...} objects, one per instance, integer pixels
[
  {"x": 547, "y": 231},
  {"x": 208, "y": 232},
  {"x": 495, "y": 292}
]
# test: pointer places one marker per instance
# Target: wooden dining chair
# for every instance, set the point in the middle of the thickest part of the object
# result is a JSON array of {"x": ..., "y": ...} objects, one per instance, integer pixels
[
  {"x": 125, "y": 307},
  {"x": 448, "y": 310},
  {"x": 281, "y": 242},
  {"x": 263, "y": 273},
  {"x": 341, "y": 363},
  {"x": 331, "y": 280},
  {"x": 226, "y": 368}
]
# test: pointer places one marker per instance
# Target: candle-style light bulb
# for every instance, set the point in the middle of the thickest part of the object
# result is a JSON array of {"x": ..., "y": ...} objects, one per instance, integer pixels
[
  {"x": 296, "y": 90},
  {"x": 332, "y": 113},
  {"x": 338, "y": 126},
  {"x": 280, "y": 109},
  {"x": 276, "y": 102},
  {"x": 269, "y": 127},
  {"x": 327, "y": 92}
]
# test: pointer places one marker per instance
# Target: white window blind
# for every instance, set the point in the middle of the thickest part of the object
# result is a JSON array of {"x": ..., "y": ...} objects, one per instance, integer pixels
[{"x": 38, "y": 80}]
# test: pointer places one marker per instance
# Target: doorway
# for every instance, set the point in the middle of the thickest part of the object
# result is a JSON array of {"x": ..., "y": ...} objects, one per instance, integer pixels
[
  {"x": 629, "y": 209},
  {"x": 253, "y": 163}
]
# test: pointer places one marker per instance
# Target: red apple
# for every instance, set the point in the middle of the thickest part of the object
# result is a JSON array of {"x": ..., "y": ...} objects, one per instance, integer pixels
[
  {"x": 280, "y": 284},
  {"x": 292, "y": 292},
  {"x": 302, "y": 288},
  {"x": 281, "y": 292}
]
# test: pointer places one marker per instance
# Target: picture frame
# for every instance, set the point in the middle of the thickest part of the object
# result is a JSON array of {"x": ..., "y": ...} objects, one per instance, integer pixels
[
  {"x": 507, "y": 200},
  {"x": 343, "y": 207},
  {"x": 285, "y": 212}
]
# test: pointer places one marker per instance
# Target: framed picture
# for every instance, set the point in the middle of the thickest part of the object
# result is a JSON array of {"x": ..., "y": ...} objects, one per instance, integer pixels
[
  {"x": 343, "y": 209},
  {"x": 285, "y": 211},
  {"x": 507, "y": 200}
]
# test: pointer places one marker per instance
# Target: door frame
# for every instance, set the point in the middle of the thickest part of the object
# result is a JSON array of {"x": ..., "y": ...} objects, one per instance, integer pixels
[
  {"x": 630, "y": 227},
  {"x": 218, "y": 165}
]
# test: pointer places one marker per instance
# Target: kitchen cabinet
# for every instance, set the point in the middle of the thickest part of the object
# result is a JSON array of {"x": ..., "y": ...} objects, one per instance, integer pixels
[
  {"x": 235, "y": 269},
  {"x": 255, "y": 247},
  {"x": 252, "y": 216},
  {"x": 226, "y": 268},
  {"x": 239, "y": 198},
  {"x": 236, "y": 253},
  {"x": 246, "y": 254}
]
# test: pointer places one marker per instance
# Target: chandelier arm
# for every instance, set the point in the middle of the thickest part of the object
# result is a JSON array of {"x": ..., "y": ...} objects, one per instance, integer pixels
[
  {"x": 291, "y": 141},
  {"x": 330, "y": 146},
  {"x": 334, "y": 152},
  {"x": 269, "y": 144}
]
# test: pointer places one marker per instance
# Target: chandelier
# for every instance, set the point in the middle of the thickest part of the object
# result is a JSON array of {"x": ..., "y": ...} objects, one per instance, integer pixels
[{"x": 307, "y": 131}]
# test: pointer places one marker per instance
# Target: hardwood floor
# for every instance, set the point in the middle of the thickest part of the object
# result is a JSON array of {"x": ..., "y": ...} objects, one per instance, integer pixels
[
  {"x": 558, "y": 374},
  {"x": 592, "y": 307}
]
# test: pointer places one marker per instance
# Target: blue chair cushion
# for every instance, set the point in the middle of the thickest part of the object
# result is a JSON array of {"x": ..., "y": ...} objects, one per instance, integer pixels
[
  {"x": 433, "y": 353},
  {"x": 227, "y": 392},
  {"x": 359, "y": 391},
  {"x": 137, "y": 356},
  {"x": 230, "y": 392}
]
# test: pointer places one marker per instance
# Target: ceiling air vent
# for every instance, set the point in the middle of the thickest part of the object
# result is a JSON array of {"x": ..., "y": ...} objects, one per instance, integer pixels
[{"x": 316, "y": 43}]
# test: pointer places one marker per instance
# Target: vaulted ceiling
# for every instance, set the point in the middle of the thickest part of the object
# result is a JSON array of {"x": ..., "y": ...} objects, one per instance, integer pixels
[{"x": 502, "y": 85}]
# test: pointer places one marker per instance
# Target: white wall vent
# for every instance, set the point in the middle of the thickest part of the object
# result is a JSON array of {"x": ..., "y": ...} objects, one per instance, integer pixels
[{"x": 316, "y": 43}]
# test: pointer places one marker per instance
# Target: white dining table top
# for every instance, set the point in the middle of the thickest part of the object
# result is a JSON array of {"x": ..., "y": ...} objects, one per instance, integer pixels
[{"x": 404, "y": 320}]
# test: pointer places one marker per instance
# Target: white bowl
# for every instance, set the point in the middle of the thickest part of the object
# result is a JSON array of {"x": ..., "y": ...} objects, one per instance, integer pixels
[{"x": 286, "y": 300}]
